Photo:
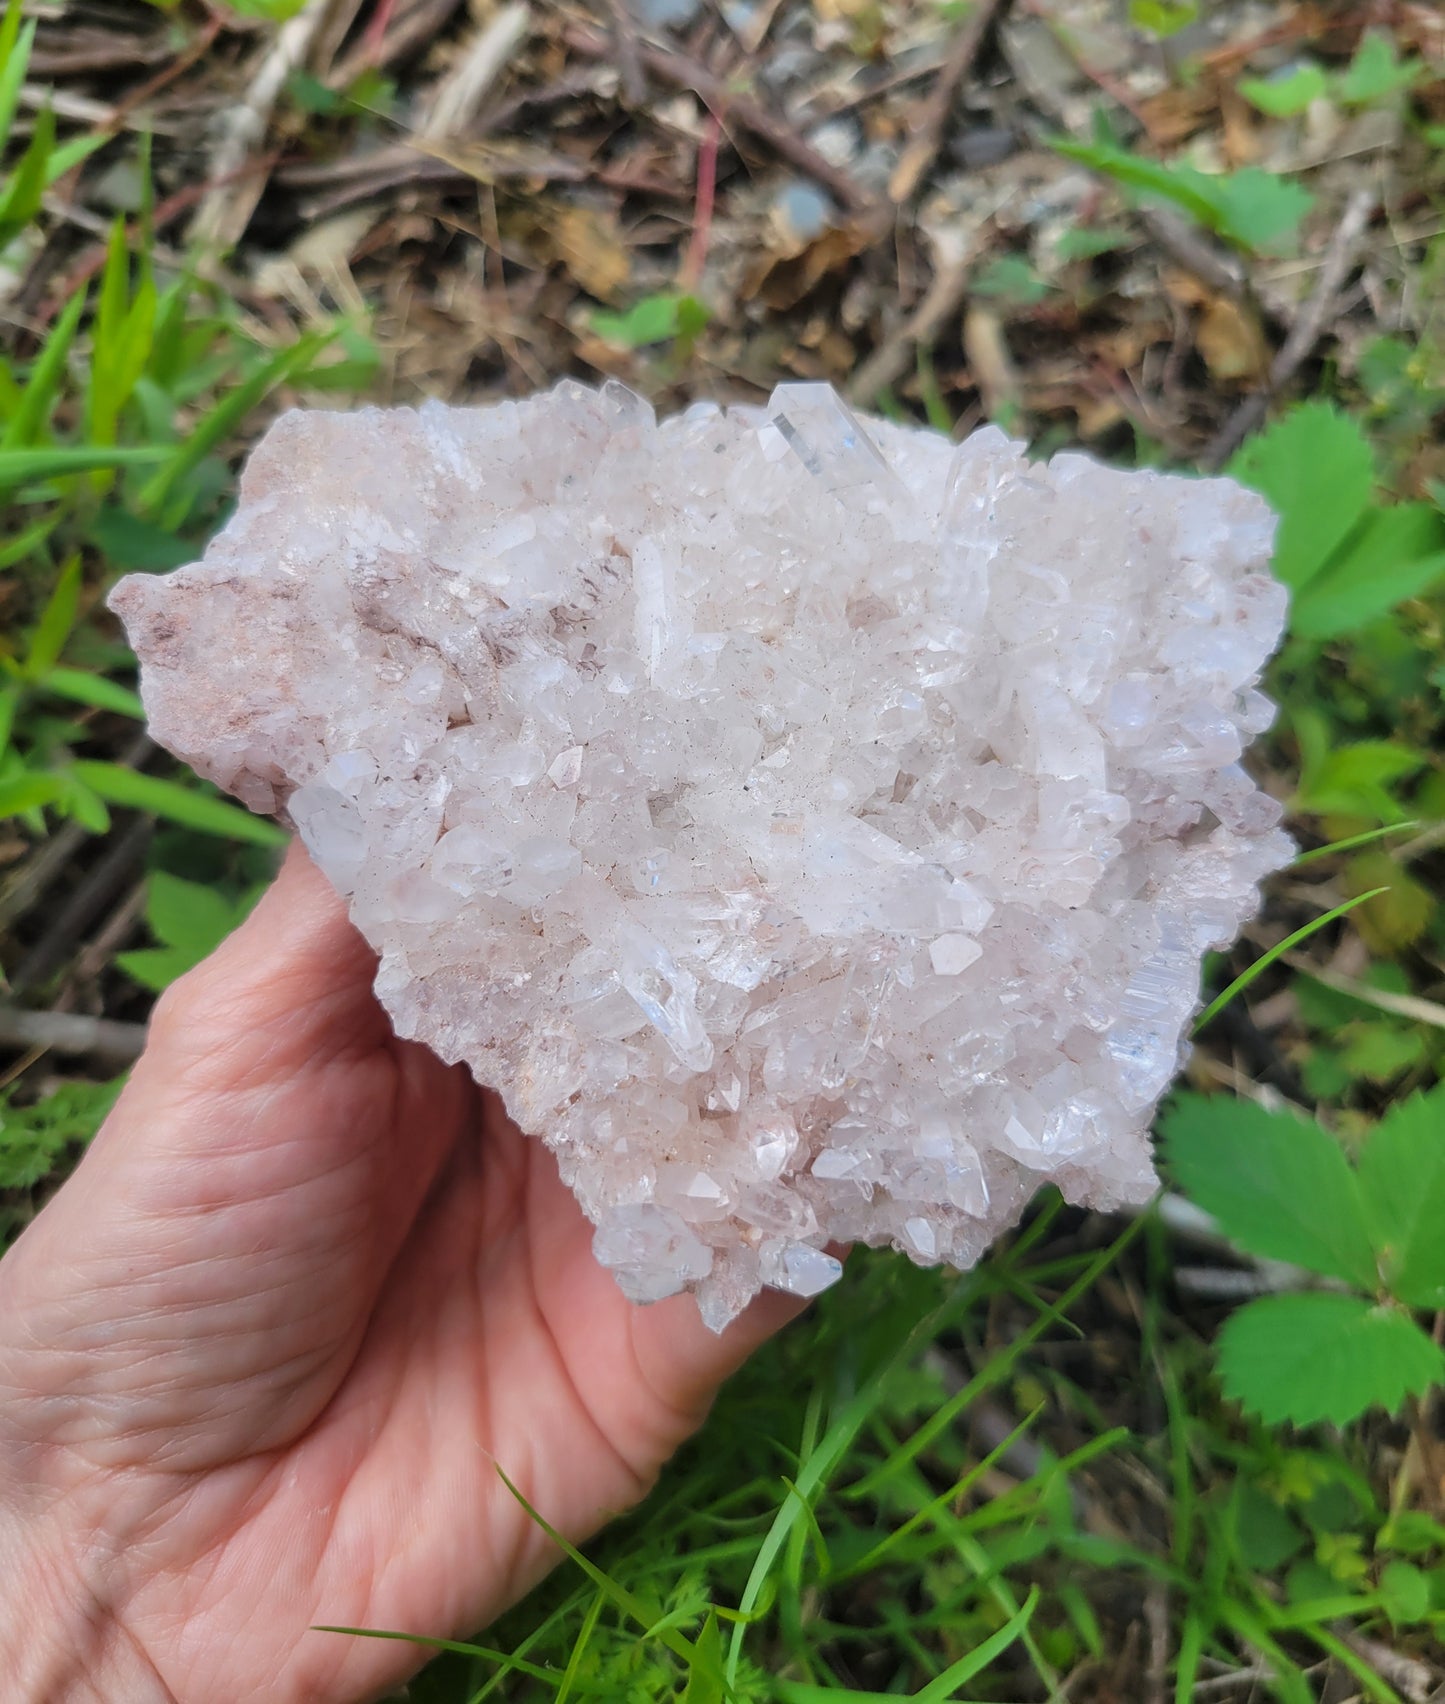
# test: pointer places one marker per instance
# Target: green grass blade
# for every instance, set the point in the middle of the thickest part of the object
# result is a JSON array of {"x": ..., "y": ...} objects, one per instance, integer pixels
[
  {"x": 15, "y": 48},
  {"x": 30, "y": 467},
  {"x": 43, "y": 385},
  {"x": 27, "y": 792},
  {"x": 26, "y": 185},
  {"x": 25, "y": 544},
  {"x": 1354, "y": 840},
  {"x": 227, "y": 414},
  {"x": 820, "y": 1464},
  {"x": 998, "y": 1367},
  {"x": 459, "y": 1646},
  {"x": 625, "y": 1600},
  {"x": 977, "y": 1660},
  {"x": 1263, "y": 962},
  {"x": 82, "y": 687},
  {"x": 118, "y": 785},
  {"x": 56, "y": 621},
  {"x": 579, "y": 1648},
  {"x": 1186, "y": 1665}
]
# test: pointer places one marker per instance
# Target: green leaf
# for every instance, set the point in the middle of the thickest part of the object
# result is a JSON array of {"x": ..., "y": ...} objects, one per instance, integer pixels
[
  {"x": 1253, "y": 208},
  {"x": 1402, "y": 1181},
  {"x": 46, "y": 375},
  {"x": 1375, "y": 71},
  {"x": 56, "y": 621},
  {"x": 1265, "y": 1536},
  {"x": 1318, "y": 1356},
  {"x": 25, "y": 467},
  {"x": 155, "y": 968},
  {"x": 704, "y": 1679},
  {"x": 27, "y": 181},
  {"x": 1316, "y": 469},
  {"x": 1280, "y": 1186},
  {"x": 1354, "y": 780},
  {"x": 1083, "y": 242},
  {"x": 188, "y": 915},
  {"x": 126, "y": 541},
  {"x": 221, "y": 420},
  {"x": 15, "y": 49},
  {"x": 1011, "y": 279},
  {"x": 33, "y": 1138},
  {"x": 83, "y": 687},
  {"x": 1405, "y": 1592},
  {"x": 1395, "y": 553},
  {"x": 118, "y": 785},
  {"x": 655, "y": 319},
  {"x": 1258, "y": 210},
  {"x": 1284, "y": 96},
  {"x": 28, "y": 792},
  {"x": 1163, "y": 18}
]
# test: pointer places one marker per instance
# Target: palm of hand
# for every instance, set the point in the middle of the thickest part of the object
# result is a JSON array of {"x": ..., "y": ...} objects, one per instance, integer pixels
[{"x": 262, "y": 1357}]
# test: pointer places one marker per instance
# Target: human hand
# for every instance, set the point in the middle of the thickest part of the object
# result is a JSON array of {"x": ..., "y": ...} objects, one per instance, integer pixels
[{"x": 262, "y": 1356}]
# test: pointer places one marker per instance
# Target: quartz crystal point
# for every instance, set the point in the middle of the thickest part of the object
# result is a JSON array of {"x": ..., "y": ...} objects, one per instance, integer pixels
[{"x": 810, "y": 826}]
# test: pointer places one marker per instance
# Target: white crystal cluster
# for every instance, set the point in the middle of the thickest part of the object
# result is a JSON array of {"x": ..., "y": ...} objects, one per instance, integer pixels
[{"x": 810, "y": 826}]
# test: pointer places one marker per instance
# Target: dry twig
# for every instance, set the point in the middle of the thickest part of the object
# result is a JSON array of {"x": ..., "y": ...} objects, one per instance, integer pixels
[
  {"x": 226, "y": 210},
  {"x": 917, "y": 159},
  {"x": 942, "y": 300},
  {"x": 71, "y": 1033},
  {"x": 731, "y": 106},
  {"x": 1314, "y": 320}
]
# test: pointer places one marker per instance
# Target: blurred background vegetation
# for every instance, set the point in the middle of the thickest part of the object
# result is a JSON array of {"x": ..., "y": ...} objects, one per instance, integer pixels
[{"x": 1194, "y": 1454}]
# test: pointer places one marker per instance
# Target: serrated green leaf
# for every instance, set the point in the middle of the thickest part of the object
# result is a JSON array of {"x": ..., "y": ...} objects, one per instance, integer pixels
[
  {"x": 1284, "y": 97},
  {"x": 1319, "y": 1356},
  {"x": 33, "y": 1138},
  {"x": 1318, "y": 472},
  {"x": 1395, "y": 553},
  {"x": 1280, "y": 1186},
  {"x": 118, "y": 785},
  {"x": 1354, "y": 780},
  {"x": 1258, "y": 210},
  {"x": 1376, "y": 71},
  {"x": 1402, "y": 1183}
]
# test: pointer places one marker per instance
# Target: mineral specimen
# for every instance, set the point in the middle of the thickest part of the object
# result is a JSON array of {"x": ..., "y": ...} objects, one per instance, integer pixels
[{"x": 811, "y": 827}]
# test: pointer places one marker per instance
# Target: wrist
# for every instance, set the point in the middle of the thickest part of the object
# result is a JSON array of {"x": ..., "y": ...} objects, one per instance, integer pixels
[{"x": 59, "y": 1642}]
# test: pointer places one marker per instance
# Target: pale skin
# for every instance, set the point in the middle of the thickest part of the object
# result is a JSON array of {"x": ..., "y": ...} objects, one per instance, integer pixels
[{"x": 263, "y": 1355}]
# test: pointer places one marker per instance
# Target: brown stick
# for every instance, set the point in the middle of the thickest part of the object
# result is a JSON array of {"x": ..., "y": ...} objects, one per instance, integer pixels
[
  {"x": 1306, "y": 331},
  {"x": 917, "y": 158},
  {"x": 730, "y": 105},
  {"x": 943, "y": 298}
]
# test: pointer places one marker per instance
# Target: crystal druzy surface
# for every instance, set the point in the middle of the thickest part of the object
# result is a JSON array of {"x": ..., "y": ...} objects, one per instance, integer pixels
[{"x": 810, "y": 826}]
